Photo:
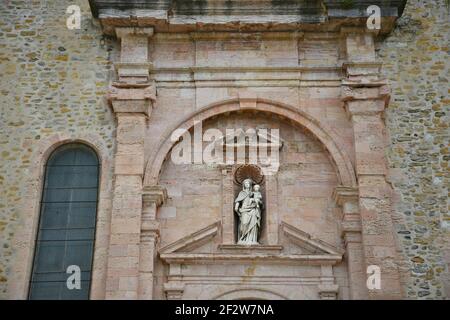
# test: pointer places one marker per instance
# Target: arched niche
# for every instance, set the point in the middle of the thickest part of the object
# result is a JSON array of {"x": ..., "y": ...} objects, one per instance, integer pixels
[{"x": 202, "y": 194}]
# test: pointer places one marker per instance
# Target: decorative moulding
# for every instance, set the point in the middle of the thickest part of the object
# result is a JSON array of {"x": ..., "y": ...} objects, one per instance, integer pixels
[
  {"x": 305, "y": 240},
  {"x": 237, "y": 249},
  {"x": 133, "y": 69},
  {"x": 122, "y": 32},
  {"x": 192, "y": 240},
  {"x": 181, "y": 251},
  {"x": 254, "y": 15}
]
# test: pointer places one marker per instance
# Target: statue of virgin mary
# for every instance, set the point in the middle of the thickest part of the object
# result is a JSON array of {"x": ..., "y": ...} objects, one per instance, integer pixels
[{"x": 248, "y": 208}]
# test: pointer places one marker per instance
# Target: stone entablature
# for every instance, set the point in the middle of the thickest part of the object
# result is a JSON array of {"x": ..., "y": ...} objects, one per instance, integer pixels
[
  {"x": 176, "y": 15},
  {"x": 199, "y": 259}
]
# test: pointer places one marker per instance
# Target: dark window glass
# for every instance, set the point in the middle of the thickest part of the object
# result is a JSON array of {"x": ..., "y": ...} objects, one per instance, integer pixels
[{"x": 67, "y": 223}]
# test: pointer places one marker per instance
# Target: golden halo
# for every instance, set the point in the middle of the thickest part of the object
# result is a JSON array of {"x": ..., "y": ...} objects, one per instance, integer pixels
[{"x": 248, "y": 171}]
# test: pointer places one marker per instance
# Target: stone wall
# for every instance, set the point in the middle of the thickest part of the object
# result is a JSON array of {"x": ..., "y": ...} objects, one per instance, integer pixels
[
  {"x": 415, "y": 58},
  {"x": 54, "y": 81}
]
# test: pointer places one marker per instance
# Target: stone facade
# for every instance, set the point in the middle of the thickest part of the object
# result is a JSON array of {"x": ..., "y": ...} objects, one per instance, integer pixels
[{"x": 357, "y": 185}]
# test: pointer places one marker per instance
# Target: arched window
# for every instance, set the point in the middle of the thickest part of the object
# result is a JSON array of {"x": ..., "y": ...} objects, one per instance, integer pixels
[{"x": 67, "y": 224}]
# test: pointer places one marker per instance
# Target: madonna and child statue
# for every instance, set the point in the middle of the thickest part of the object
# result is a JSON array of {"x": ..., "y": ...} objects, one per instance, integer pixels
[{"x": 248, "y": 205}]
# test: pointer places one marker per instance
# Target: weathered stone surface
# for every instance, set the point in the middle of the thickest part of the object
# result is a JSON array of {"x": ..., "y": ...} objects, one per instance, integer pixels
[
  {"x": 319, "y": 84},
  {"x": 416, "y": 64},
  {"x": 53, "y": 87}
]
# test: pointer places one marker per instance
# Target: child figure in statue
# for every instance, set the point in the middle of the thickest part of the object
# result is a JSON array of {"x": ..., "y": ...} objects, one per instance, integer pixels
[{"x": 257, "y": 196}]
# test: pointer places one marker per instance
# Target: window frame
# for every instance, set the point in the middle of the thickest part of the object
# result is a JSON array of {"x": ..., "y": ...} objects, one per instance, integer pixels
[{"x": 60, "y": 148}]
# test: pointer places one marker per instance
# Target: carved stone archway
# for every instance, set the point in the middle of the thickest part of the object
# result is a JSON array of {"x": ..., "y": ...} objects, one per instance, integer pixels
[{"x": 340, "y": 159}]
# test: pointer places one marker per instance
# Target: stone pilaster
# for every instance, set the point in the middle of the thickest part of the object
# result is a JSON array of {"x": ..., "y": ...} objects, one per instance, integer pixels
[
  {"x": 271, "y": 210},
  {"x": 328, "y": 290},
  {"x": 174, "y": 288},
  {"x": 228, "y": 214},
  {"x": 365, "y": 96},
  {"x": 348, "y": 199},
  {"x": 152, "y": 198},
  {"x": 132, "y": 99}
]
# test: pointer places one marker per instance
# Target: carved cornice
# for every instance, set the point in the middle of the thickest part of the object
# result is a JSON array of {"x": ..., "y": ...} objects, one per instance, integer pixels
[
  {"x": 122, "y": 32},
  {"x": 217, "y": 258},
  {"x": 255, "y": 15},
  {"x": 242, "y": 36}
]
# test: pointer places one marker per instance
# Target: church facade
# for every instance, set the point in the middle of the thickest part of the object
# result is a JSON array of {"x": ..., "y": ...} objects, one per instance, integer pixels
[{"x": 226, "y": 150}]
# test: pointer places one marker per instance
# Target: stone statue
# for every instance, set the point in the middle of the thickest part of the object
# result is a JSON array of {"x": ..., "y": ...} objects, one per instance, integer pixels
[{"x": 248, "y": 205}]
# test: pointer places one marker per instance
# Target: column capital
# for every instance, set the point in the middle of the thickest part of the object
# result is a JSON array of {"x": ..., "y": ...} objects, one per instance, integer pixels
[
  {"x": 365, "y": 101},
  {"x": 126, "y": 99},
  {"x": 364, "y": 90},
  {"x": 362, "y": 74},
  {"x": 154, "y": 195},
  {"x": 342, "y": 194},
  {"x": 348, "y": 199}
]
